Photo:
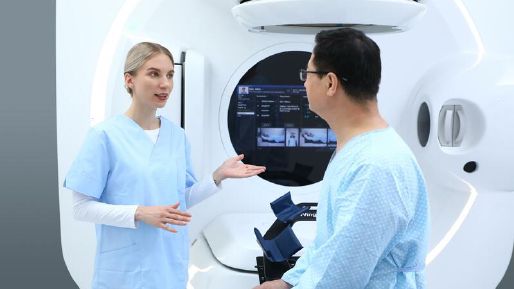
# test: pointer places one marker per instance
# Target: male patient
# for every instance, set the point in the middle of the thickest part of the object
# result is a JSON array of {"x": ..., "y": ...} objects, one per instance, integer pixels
[{"x": 373, "y": 219}]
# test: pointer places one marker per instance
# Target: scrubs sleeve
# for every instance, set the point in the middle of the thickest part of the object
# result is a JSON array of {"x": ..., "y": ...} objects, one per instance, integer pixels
[
  {"x": 89, "y": 209},
  {"x": 190, "y": 175},
  {"x": 196, "y": 191},
  {"x": 367, "y": 214},
  {"x": 88, "y": 173},
  {"x": 201, "y": 191}
]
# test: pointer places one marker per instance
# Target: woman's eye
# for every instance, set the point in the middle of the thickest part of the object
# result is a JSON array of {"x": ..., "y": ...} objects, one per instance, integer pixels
[
  {"x": 154, "y": 74},
  {"x": 170, "y": 75}
]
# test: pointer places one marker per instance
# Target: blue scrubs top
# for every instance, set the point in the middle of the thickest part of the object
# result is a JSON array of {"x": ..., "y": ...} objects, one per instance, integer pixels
[
  {"x": 119, "y": 164},
  {"x": 372, "y": 221}
]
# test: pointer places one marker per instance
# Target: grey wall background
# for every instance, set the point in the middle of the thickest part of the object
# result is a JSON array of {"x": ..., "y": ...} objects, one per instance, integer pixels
[{"x": 30, "y": 247}]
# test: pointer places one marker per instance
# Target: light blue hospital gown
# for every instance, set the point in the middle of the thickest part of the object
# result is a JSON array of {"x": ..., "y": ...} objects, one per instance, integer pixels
[
  {"x": 372, "y": 221},
  {"x": 119, "y": 164}
]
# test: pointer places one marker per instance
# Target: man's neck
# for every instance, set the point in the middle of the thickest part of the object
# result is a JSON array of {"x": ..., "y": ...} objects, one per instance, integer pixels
[{"x": 354, "y": 119}]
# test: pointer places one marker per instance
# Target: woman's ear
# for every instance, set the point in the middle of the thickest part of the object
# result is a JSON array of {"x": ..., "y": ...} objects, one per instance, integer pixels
[{"x": 129, "y": 80}]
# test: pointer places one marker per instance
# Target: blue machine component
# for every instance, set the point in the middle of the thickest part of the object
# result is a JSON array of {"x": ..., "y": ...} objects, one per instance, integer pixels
[
  {"x": 280, "y": 248},
  {"x": 285, "y": 210},
  {"x": 280, "y": 243}
]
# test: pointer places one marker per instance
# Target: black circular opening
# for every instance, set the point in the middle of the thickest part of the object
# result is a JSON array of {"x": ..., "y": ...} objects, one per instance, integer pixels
[
  {"x": 269, "y": 121},
  {"x": 423, "y": 124},
  {"x": 470, "y": 167}
]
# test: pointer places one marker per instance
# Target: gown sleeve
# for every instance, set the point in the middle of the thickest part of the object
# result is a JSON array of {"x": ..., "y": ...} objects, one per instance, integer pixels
[
  {"x": 89, "y": 171},
  {"x": 367, "y": 213}
]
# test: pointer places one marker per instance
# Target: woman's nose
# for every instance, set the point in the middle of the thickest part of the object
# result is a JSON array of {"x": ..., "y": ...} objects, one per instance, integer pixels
[{"x": 166, "y": 82}]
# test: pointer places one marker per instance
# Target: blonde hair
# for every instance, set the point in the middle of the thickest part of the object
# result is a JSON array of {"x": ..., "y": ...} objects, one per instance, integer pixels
[{"x": 139, "y": 54}]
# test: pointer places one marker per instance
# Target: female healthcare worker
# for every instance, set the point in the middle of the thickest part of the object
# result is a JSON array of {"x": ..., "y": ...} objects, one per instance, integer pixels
[{"x": 133, "y": 178}]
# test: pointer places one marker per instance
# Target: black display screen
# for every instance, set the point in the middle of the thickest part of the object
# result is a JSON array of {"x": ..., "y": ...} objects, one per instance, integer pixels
[{"x": 270, "y": 122}]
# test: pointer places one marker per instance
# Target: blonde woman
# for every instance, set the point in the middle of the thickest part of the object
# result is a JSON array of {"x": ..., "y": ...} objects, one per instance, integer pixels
[{"x": 133, "y": 178}]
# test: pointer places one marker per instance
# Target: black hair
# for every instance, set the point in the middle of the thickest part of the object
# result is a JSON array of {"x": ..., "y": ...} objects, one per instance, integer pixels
[{"x": 353, "y": 57}]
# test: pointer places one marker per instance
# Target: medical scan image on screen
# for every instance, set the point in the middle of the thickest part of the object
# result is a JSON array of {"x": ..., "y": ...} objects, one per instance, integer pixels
[{"x": 270, "y": 122}]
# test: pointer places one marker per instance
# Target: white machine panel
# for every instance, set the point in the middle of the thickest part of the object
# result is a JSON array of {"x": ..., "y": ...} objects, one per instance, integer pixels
[{"x": 454, "y": 63}]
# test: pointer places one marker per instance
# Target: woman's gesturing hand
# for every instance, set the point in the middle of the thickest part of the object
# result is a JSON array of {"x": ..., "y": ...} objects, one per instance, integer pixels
[
  {"x": 234, "y": 168},
  {"x": 161, "y": 216}
]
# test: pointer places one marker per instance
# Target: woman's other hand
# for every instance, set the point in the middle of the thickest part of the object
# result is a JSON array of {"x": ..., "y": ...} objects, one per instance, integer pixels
[
  {"x": 234, "y": 168},
  {"x": 160, "y": 216}
]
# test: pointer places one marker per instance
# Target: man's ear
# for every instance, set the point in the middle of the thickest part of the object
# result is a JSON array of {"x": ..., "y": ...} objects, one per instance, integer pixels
[{"x": 332, "y": 83}]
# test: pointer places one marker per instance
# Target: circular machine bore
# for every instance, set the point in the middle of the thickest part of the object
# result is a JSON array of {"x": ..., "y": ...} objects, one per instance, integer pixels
[{"x": 270, "y": 122}]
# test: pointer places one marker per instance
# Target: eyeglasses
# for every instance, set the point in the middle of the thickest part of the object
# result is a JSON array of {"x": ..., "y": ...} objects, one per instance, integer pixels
[{"x": 303, "y": 74}]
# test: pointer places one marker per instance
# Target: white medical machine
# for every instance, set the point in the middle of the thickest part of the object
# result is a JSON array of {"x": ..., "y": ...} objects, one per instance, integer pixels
[{"x": 447, "y": 87}]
